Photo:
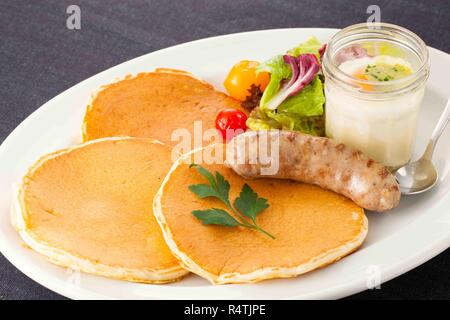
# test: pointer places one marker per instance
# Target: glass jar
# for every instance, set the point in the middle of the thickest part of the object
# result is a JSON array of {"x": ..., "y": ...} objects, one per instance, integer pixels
[{"x": 378, "y": 117}]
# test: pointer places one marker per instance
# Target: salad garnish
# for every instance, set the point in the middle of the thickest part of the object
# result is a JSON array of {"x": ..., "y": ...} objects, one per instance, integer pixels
[
  {"x": 294, "y": 98},
  {"x": 254, "y": 97},
  {"x": 322, "y": 51},
  {"x": 242, "y": 76},
  {"x": 303, "y": 70}
]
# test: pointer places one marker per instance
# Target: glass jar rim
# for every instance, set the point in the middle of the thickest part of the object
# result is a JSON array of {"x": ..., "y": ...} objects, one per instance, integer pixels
[{"x": 386, "y": 29}]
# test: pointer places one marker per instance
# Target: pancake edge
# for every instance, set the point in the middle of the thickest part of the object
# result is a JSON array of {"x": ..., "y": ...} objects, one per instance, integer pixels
[
  {"x": 66, "y": 259},
  {"x": 319, "y": 261}
]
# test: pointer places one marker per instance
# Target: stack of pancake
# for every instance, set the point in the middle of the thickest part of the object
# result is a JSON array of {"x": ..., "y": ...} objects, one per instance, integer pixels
[{"x": 118, "y": 205}]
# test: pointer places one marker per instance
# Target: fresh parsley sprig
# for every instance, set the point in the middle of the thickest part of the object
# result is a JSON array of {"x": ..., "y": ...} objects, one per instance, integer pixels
[{"x": 247, "y": 205}]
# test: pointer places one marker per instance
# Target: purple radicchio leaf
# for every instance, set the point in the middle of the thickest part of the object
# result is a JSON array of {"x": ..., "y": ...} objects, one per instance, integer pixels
[
  {"x": 304, "y": 69},
  {"x": 322, "y": 51},
  {"x": 292, "y": 62}
]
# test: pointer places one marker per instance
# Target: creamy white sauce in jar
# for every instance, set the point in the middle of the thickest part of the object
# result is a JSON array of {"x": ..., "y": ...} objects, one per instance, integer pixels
[
  {"x": 373, "y": 99},
  {"x": 383, "y": 130}
]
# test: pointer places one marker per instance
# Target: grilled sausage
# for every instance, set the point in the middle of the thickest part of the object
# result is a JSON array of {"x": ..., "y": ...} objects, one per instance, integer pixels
[{"x": 315, "y": 160}]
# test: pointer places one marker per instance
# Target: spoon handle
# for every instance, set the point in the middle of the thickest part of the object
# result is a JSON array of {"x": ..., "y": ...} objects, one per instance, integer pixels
[{"x": 443, "y": 121}]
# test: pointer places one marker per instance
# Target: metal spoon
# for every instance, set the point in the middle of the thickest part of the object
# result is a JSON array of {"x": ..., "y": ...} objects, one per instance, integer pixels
[{"x": 421, "y": 175}]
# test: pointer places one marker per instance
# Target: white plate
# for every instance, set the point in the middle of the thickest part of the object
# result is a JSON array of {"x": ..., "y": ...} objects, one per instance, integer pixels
[{"x": 398, "y": 241}]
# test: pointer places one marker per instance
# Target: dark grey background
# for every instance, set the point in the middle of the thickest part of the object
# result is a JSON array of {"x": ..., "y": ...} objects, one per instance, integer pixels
[{"x": 40, "y": 57}]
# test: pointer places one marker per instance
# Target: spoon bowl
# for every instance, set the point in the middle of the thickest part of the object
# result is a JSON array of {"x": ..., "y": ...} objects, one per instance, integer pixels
[{"x": 417, "y": 177}]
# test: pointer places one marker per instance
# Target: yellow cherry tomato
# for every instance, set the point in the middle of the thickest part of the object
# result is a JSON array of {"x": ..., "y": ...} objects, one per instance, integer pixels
[{"x": 242, "y": 76}]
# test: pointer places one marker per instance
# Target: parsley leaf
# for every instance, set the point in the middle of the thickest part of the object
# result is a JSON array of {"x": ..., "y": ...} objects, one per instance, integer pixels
[
  {"x": 249, "y": 203},
  {"x": 203, "y": 190},
  {"x": 223, "y": 188},
  {"x": 204, "y": 173},
  {"x": 216, "y": 216},
  {"x": 218, "y": 188}
]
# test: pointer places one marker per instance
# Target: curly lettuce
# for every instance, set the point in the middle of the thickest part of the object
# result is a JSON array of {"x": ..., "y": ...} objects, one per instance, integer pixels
[{"x": 312, "y": 45}]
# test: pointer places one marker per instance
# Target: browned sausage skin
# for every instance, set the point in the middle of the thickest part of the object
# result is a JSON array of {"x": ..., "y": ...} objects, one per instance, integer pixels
[{"x": 315, "y": 160}]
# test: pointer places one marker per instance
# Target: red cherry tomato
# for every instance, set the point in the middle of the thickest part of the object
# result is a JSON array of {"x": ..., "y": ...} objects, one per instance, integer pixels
[{"x": 231, "y": 122}]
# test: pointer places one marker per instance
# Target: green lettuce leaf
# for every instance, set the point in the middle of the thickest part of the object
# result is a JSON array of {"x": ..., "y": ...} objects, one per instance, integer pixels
[
  {"x": 275, "y": 66},
  {"x": 312, "y": 45},
  {"x": 278, "y": 71},
  {"x": 302, "y": 112},
  {"x": 308, "y": 102},
  {"x": 314, "y": 125},
  {"x": 262, "y": 124}
]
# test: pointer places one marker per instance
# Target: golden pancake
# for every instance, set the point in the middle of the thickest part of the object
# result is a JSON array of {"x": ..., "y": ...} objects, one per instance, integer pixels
[
  {"x": 312, "y": 227},
  {"x": 89, "y": 207},
  {"x": 153, "y": 105}
]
